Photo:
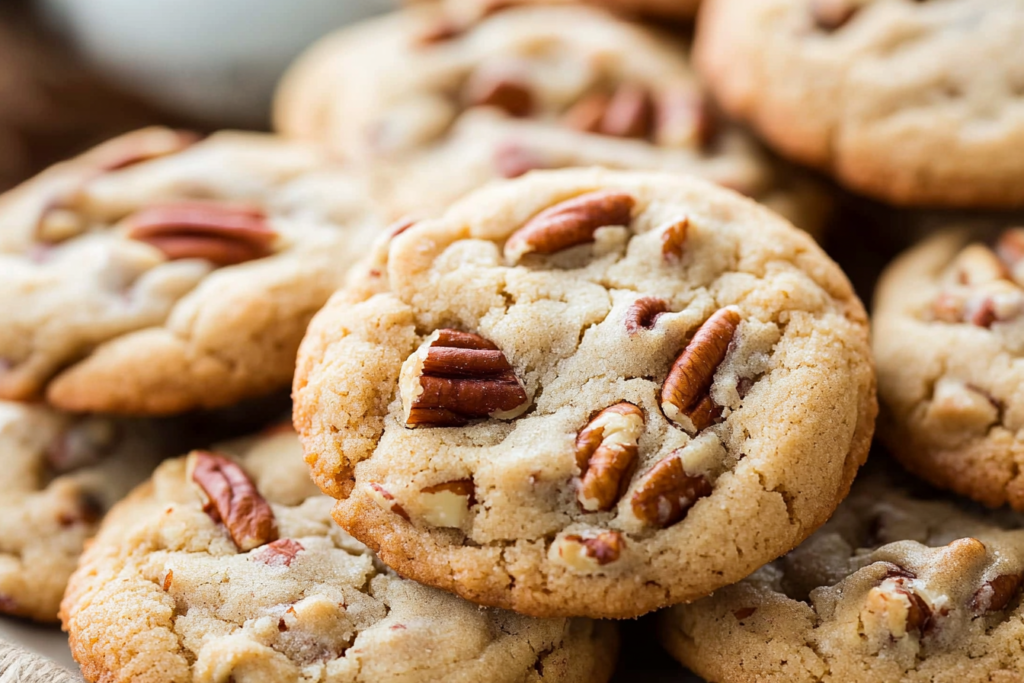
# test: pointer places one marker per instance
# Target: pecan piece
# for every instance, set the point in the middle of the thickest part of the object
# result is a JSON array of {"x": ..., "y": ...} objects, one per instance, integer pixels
[
  {"x": 387, "y": 500},
  {"x": 606, "y": 454},
  {"x": 977, "y": 264},
  {"x": 447, "y": 504},
  {"x": 684, "y": 395},
  {"x": 684, "y": 119},
  {"x": 644, "y": 314},
  {"x": 996, "y": 594},
  {"x": 458, "y": 376},
  {"x": 225, "y": 234},
  {"x": 509, "y": 94},
  {"x": 232, "y": 499},
  {"x": 588, "y": 553},
  {"x": 673, "y": 239},
  {"x": 280, "y": 553},
  {"x": 896, "y": 609},
  {"x": 570, "y": 223},
  {"x": 666, "y": 493},
  {"x": 630, "y": 112},
  {"x": 830, "y": 15}
]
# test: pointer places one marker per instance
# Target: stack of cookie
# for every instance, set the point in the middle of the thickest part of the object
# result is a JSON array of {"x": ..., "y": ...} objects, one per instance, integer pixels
[{"x": 556, "y": 359}]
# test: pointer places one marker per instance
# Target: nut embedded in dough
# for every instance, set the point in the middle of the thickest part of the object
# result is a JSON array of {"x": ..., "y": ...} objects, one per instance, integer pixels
[
  {"x": 606, "y": 453},
  {"x": 666, "y": 493},
  {"x": 588, "y": 553},
  {"x": 232, "y": 498}
]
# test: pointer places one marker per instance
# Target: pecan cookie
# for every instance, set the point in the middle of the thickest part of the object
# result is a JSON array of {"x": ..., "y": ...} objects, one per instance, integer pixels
[
  {"x": 228, "y": 567},
  {"x": 158, "y": 273},
  {"x": 893, "y": 589},
  {"x": 60, "y": 474},
  {"x": 589, "y": 392},
  {"x": 911, "y": 102},
  {"x": 948, "y": 336},
  {"x": 493, "y": 96}
]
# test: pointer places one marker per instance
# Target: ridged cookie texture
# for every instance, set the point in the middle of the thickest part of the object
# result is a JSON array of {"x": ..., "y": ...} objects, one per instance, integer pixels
[
  {"x": 228, "y": 567},
  {"x": 60, "y": 474},
  {"x": 896, "y": 588},
  {"x": 588, "y": 392},
  {"x": 489, "y": 91},
  {"x": 948, "y": 335},
  {"x": 159, "y": 273},
  {"x": 916, "y": 103}
]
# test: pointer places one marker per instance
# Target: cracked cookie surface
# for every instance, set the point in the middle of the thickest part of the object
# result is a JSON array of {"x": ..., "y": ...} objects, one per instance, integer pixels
[
  {"x": 158, "y": 273},
  {"x": 911, "y": 102},
  {"x": 164, "y": 594},
  {"x": 60, "y": 474},
  {"x": 492, "y": 95},
  {"x": 948, "y": 337},
  {"x": 893, "y": 589},
  {"x": 588, "y": 392}
]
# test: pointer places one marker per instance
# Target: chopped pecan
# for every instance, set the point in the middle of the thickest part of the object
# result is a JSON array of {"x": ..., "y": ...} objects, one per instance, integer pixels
[
  {"x": 587, "y": 113},
  {"x": 502, "y": 91},
  {"x": 168, "y": 579},
  {"x": 387, "y": 500},
  {"x": 570, "y": 223},
  {"x": 684, "y": 395},
  {"x": 280, "y": 553},
  {"x": 666, "y": 493},
  {"x": 458, "y": 376},
  {"x": 830, "y": 15},
  {"x": 588, "y": 553},
  {"x": 673, "y": 239},
  {"x": 895, "y": 608},
  {"x": 606, "y": 454},
  {"x": 996, "y": 594},
  {"x": 447, "y": 504},
  {"x": 981, "y": 305},
  {"x": 225, "y": 234},
  {"x": 644, "y": 314},
  {"x": 232, "y": 499},
  {"x": 630, "y": 112}
]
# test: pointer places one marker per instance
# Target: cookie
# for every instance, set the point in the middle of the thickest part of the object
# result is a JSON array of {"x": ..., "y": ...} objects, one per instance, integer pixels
[
  {"x": 914, "y": 103},
  {"x": 495, "y": 96},
  {"x": 158, "y": 274},
  {"x": 227, "y": 566},
  {"x": 589, "y": 392},
  {"x": 893, "y": 589},
  {"x": 60, "y": 474},
  {"x": 948, "y": 329}
]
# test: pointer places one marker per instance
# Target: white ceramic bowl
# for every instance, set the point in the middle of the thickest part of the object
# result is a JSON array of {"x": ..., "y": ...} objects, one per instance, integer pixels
[{"x": 214, "y": 60}]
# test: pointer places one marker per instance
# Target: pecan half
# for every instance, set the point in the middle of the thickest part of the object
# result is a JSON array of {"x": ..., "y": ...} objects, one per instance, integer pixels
[
  {"x": 606, "y": 454},
  {"x": 587, "y": 113},
  {"x": 588, "y": 553},
  {"x": 644, "y": 314},
  {"x": 447, "y": 504},
  {"x": 225, "y": 234},
  {"x": 673, "y": 239},
  {"x": 666, "y": 493},
  {"x": 570, "y": 223},
  {"x": 458, "y": 376},
  {"x": 830, "y": 15},
  {"x": 232, "y": 499},
  {"x": 630, "y": 112},
  {"x": 684, "y": 395},
  {"x": 280, "y": 553},
  {"x": 509, "y": 94},
  {"x": 996, "y": 594}
]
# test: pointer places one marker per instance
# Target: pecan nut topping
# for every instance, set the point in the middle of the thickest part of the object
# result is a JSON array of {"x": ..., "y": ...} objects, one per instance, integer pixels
[
  {"x": 590, "y": 552},
  {"x": 684, "y": 395},
  {"x": 644, "y": 314},
  {"x": 570, "y": 223},
  {"x": 232, "y": 499},
  {"x": 458, "y": 376},
  {"x": 666, "y": 493},
  {"x": 225, "y": 234},
  {"x": 606, "y": 454},
  {"x": 280, "y": 553},
  {"x": 509, "y": 94},
  {"x": 673, "y": 240},
  {"x": 996, "y": 594}
]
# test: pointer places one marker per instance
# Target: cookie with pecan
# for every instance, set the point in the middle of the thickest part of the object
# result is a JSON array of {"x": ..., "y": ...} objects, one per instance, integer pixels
[
  {"x": 227, "y": 566},
  {"x": 914, "y": 103},
  {"x": 60, "y": 475},
  {"x": 893, "y": 589},
  {"x": 159, "y": 273},
  {"x": 493, "y": 92},
  {"x": 588, "y": 392},
  {"x": 948, "y": 338}
]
